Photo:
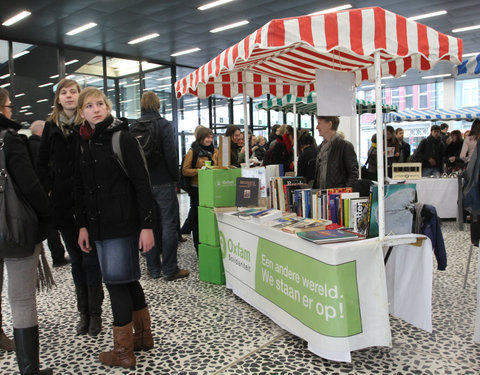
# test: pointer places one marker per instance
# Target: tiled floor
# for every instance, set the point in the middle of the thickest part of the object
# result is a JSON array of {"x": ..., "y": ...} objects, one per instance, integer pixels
[{"x": 201, "y": 328}]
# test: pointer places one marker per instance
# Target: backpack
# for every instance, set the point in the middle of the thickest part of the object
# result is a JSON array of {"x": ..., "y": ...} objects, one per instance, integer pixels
[
  {"x": 117, "y": 152},
  {"x": 147, "y": 134},
  {"x": 185, "y": 182}
]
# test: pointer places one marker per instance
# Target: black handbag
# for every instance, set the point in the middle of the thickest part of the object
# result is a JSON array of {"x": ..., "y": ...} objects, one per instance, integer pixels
[{"x": 18, "y": 220}]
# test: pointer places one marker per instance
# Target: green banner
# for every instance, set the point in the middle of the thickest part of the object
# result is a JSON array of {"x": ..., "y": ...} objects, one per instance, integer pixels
[{"x": 324, "y": 297}]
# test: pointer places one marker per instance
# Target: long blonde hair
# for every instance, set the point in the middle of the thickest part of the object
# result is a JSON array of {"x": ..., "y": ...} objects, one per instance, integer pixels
[
  {"x": 57, "y": 107},
  {"x": 89, "y": 92}
]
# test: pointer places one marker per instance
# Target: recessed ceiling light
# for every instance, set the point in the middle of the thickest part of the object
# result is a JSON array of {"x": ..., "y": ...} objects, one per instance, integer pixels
[
  {"x": 163, "y": 86},
  {"x": 71, "y": 76},
  {"x": 23, "y": 53},
  {"x": 468, "y": 28},
  {"x": 19, "y": 95},
  {"x": 185, "y": 52},
  {"x": 46, "y": 84},
  {"x": 95, "y": 80},
  {"x": 42, "y": 100},
  {"x": 8, "y": 75},
  {"x": 330, "y": 10},
  {"x": 28, "y": 113},
  {"x": 26, "y": 106},
  {"x": 71, "y": 62},
  {"x": 437, "y": 76},
  {"x": 163, "y": 79},
  {"x": 370, "y": 86},
  {"x": 5, "y": 85},
  {"x": 144, "y": 38},
  {"x": 15, "y": 19},
  {"x": 427, "y": 15},
  {"x": 213, "y": 4},
  {"x": 82, "y": 28},
  {"x": 54, "y": 76},
  {"x": 231, "y": 26}
]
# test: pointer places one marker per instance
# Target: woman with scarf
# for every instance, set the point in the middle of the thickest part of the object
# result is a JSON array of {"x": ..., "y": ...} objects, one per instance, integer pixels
[
  {"x": 281, "y": 152},
  {"x": 235, "y": 135},
  {"x": 452, "y": 152},
  {"x": 114, "y": 207},
  {"x": 55, "y": 166},
  {"x": 22, "y": 272},
  {"x": 202, "y": 150}
]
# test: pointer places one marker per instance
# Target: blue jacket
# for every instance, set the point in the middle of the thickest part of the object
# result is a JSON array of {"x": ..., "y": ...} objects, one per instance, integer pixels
[{"x": 431, "y": 228}]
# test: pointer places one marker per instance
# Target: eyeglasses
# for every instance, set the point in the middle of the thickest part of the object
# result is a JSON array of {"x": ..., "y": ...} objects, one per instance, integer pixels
[{"x": 10, "y": 106}]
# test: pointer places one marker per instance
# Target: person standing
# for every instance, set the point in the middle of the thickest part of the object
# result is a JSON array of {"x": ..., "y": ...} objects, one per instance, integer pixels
[
  {"x": 235, "y": 135},
  {"x": 470, "y": 141},
  {"x": 404, "y": 146},
  {"x": 22, "y": 272},
  {"x": 53, "y": 240},
  {"x": 55, "y": 167},
  {"x": 336, "y": 164},
  {"x": 164, "y": 178},
  {"x": 307, "y": 158},
  {"x": 453, "y": 162},
  {"x": 114, "y": 207},
  {"x": 430, "y": 151},
  {"x": 444, "y": 133}
]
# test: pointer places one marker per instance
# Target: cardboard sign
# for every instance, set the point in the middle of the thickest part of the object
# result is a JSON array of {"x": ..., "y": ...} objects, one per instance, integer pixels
[{"x": 335, "y": 93}]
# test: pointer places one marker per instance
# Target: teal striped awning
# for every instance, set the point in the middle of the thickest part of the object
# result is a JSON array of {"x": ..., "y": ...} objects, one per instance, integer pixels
[
  {"x": 308, "y": 105},
  {"x": 430, "y": 115}
]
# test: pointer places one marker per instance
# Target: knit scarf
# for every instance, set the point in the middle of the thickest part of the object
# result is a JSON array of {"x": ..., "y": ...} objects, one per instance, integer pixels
[
  {"x": 86, "y": 132},
  {"x": 65, "y": 123}
]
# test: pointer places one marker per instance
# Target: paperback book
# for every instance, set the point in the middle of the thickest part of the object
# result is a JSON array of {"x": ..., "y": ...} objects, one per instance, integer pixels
[
  {"x": 306, "y": 225},
  {"x": 329, "y": 235}
]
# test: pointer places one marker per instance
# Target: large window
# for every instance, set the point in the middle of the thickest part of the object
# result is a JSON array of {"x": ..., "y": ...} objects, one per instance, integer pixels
[{"x": 467, "y": 92}]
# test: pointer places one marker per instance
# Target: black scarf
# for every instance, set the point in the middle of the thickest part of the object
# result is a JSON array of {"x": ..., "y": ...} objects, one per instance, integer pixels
[{"x": 203, "y": 151}]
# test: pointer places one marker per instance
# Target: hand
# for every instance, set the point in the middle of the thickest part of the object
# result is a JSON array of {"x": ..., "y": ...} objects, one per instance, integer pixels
[
  {"x": 83, "y": 240},
  {"x": 432, "y": 162},
  {"x": 452, "y": 159},
  {"x": 146, "y": 240}
]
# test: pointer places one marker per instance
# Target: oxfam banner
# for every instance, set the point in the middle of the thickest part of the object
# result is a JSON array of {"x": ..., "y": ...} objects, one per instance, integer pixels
[{"x": 333, "y": 296}]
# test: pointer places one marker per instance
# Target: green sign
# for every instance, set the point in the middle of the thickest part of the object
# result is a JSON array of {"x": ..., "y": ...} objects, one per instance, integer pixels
[{"x": 324, "y": 297}]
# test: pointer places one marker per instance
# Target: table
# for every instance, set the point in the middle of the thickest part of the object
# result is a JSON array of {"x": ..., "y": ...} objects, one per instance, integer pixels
[
  {"x": 333, "y": 295},
  {"x": 442, "y": 193}
]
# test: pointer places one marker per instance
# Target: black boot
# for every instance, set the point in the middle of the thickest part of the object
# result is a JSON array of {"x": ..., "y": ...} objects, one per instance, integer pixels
[
  {"x": 82, "y": 305},
  {"x": 95, "y": 300},
  {"x": 26, "y": 341}
]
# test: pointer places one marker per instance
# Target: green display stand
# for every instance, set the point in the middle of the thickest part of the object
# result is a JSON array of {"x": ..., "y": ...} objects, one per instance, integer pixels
[
  {"x": 210, "y": 264},
  {"x": 207, "y": 226},
  {"x": 216, "y": 187}
]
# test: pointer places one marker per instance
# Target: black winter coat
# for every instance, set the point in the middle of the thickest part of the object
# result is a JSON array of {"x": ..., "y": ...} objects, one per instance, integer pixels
[
  {"x": 20, "y": 169},
  {"x": 306, "y": 163},
  {"x": 342, "y": 169},
  {"x": 55, "y": 167},
  {"x": 34, "y": 143},
  {"x": 166, "y": 170},
  {"x": 107, "y": 201},
  {"x": 431, "y": 147}
]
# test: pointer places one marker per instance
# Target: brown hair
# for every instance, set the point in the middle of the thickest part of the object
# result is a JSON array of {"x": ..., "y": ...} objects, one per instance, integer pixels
[
  {"x": 149, "y": 100},
  {"x": 88, "y": 92},
  {"x": 335, "y": 120},
  {"x": 475, "y": 129},
  {"x": 458, "y": 134},
  {"x": 203, "y": 133},
  {"x": 231, "y": 129},
  {"x": 57, "y": 107},
  {"x": 4, "y": 95}
]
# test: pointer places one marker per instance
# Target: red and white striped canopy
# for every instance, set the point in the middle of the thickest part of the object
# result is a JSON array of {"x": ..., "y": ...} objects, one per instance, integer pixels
[{"x": 281, "y": 57}]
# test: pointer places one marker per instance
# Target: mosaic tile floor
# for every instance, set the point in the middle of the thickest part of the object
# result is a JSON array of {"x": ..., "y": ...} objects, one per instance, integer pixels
[{"x": 201, "y": 328}]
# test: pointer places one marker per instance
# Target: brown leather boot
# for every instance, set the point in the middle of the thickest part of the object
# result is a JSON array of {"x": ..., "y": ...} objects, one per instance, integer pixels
[
  {"x": 142, "y": 337},
  {"x": 6, "y": 343},
  {"x": 122, "y": 353}
]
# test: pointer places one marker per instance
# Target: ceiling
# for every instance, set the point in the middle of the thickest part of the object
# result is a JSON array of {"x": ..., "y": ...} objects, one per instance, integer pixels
[{"x": 182, "y": 26}]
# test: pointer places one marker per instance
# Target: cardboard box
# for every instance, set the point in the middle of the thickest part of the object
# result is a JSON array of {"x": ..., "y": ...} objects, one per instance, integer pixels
[
  {"x": 407, "y": 171},
  {"x": 217, "y": 187},
  {"x": 210, "y": 264},
  {"x": 207, "y": 226}
]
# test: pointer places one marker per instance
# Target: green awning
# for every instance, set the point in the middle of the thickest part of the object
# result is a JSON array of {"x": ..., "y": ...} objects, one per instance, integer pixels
[{"x": 308, "y": 105}]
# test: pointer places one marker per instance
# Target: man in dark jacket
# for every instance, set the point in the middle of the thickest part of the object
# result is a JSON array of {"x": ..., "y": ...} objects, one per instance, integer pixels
[
  {"x": 164, "y": 177},
  {"x": 430, "y": 151},
  {"x": 404, "y": 146},
  {"x": 336, "y": 164},
  {"x": 307, "y": 158}
]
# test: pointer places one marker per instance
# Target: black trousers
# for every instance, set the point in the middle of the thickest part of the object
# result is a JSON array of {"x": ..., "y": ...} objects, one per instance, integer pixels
[{"x": 125, "y": 298}]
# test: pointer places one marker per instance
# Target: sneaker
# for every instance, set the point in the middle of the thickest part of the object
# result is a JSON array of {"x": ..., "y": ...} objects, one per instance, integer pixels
[
  {"x": 179, "y": 275},
  {"x": 61, "y": 262}
]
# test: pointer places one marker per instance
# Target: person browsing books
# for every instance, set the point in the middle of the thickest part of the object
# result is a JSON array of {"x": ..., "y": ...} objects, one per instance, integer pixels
[{"x": 336, "y": 165}]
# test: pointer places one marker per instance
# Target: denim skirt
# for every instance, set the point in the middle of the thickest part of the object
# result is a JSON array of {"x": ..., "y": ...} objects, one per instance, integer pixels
[{"x": 119, "y": 260}]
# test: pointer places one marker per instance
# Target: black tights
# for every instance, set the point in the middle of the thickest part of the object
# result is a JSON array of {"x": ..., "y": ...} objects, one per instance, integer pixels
[{"x": 125, "y": 298}]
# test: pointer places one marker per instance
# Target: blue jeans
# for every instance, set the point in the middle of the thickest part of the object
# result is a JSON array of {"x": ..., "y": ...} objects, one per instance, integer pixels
[
  {"x": 119, "y": 259},
  {"x": 165, "y": 232}
]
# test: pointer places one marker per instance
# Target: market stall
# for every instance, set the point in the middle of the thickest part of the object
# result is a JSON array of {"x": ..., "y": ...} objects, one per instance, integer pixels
[
  {"x": 469, "y": 67},
  {"x": 468, "y": 113}
]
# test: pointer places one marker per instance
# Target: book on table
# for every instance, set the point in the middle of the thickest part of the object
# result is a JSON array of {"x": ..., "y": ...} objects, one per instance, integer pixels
[
  {"x": 266, "y": 215},
  {"x": 247, "y": 192},
  {"x": 329, "y": 235},
  {"x": 305, "y": 225}
]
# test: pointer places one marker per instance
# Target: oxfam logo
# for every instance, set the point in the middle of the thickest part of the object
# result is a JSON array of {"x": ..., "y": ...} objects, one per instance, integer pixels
[{"x": 223, "y": 244}]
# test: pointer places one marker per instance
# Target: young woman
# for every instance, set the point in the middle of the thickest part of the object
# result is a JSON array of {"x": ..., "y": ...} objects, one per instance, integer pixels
[
  {"x": 22, "y": 272},
  {"x": 202, "y": 150},
  {"x": 452, "y": 152},
  {"x": 235, "y": 135},
  {"x": 281, "y": 152},
  {"x": 115, "y": 208},
  {"x": 470, "y": 141},
  {"x": 55, "y": 166}
]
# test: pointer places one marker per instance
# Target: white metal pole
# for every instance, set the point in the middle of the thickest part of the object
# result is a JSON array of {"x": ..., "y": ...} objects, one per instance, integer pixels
[
  {"x": 380, "y": 159},
  {"x": 385, "y": 171},
  {"x": 295, "y": 141},
  {"x": 245, "y": 123},
  {"x": 359, "y": 145}
]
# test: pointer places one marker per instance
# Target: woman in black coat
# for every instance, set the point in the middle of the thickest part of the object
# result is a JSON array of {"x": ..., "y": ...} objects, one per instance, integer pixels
[
  {"x": 452, "y": 152},
  {"x": 22, "y": 272},
  {"x": 114, "y": 208},
  {"x": 55, "y": 167}
]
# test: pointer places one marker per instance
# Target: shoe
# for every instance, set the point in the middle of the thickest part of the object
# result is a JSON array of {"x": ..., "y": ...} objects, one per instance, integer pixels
[
  {"x": 122, "y": 353},
  {"x": 182, "y": 239},
  {"x": 179, "y": 275},
  {"x": 95, "y": 300},
  {"x": 61, "y": 262},
  {"x": 6, "y": 343},
  {"x": 155, "y": 274},
  {"x": 81, "y": 292},
  {"x": 27, "y": 342},
  {"x": 142, "y": 336}
]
